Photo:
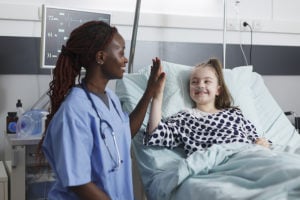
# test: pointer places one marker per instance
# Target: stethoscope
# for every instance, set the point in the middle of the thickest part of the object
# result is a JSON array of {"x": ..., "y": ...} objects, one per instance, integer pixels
[{"x": 117, "y": 161}]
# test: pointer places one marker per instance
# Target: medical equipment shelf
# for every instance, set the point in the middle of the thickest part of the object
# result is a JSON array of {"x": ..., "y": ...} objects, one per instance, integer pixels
[{"x": 26, "y": 180}]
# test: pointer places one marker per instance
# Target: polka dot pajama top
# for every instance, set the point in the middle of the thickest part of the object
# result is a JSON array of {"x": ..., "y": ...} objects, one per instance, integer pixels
[{"x": 196, "y": 130}]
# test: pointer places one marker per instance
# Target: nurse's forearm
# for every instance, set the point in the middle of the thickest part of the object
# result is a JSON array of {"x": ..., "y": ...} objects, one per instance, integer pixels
[
  {"x": 155, "y": 86},
  {"x": 138, "y": 114},
  {"x": 89, "y": 191}
]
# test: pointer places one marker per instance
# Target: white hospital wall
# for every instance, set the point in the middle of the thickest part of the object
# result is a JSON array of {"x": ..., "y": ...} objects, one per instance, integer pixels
[{"x": 195, "y": 21}]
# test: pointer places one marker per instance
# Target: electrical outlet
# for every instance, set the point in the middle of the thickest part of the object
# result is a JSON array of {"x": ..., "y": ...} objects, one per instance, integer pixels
[
  {"x": 243, "y": 27},
  {"x": 256, "y": 25},
  {"x": 232, "y": 25}
]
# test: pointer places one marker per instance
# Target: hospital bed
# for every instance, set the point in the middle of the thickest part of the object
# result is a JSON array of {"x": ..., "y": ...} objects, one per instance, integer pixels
[{"x": 234, "y": 171}]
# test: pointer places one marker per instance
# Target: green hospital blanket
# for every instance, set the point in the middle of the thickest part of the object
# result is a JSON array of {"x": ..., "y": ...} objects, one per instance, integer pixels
[{"x": 229, "y": 171}]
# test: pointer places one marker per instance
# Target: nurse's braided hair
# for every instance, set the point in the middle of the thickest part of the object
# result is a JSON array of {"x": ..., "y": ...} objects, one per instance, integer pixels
[
  {"x": 224, "y": 99},
  {"x": 80, "y": 51}
]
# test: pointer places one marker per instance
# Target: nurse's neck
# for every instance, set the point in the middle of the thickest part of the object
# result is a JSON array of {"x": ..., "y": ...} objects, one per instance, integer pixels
[
  {"x": 95, "y": 84},
  {"x": 95, "y": 87},
  {"x": 95, "y": 80}
]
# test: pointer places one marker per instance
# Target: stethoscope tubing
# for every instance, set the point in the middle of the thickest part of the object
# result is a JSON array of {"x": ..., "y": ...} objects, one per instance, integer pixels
[{"x": 119, "y": 161}]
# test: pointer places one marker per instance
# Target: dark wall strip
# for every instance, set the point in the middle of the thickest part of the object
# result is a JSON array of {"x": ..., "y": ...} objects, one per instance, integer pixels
[
  {"x": 266, "y": 60},
  {"x": 21, "y": 55}
]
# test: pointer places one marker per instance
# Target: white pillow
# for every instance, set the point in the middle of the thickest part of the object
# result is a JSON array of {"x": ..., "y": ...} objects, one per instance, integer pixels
[
  {"x": 238, "y": 81},
  {"x": 130, "y": 90}
]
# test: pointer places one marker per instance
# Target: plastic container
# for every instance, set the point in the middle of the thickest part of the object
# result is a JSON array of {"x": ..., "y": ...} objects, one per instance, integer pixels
[
  {"x": 11, "y": 122},
  {"x": 31, "y": 123},
  {"x": 20, "y": 109}
]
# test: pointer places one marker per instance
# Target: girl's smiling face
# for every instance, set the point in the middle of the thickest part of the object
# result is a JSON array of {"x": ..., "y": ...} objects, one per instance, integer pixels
[{"x": 204, "y": 86}]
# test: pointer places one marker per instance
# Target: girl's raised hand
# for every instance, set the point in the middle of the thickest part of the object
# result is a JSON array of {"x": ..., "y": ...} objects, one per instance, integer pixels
[{"x": 157, "y": 78}]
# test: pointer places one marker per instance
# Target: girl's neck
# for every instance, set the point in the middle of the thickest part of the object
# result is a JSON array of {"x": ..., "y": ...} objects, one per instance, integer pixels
[{"x": 207, "y": 108}]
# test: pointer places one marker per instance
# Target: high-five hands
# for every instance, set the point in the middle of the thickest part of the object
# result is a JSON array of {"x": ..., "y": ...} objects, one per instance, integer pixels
[
  {"x": 157, "y": 78},
  {"x": 154, "y": 90}
]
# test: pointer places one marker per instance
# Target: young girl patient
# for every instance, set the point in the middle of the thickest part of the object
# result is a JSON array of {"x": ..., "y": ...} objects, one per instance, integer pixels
[{"x": 213, "y": 120}]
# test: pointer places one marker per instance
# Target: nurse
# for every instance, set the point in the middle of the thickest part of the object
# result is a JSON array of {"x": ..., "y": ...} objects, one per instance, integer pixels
[{"x": 88, "y": 136}]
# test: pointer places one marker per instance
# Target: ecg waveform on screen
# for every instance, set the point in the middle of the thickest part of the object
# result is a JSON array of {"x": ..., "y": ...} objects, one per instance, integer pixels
[{"x": 58, "y": 25}]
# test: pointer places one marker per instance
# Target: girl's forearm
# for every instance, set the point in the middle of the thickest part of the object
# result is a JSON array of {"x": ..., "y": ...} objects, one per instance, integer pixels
[{"x": 155, "y": 113}]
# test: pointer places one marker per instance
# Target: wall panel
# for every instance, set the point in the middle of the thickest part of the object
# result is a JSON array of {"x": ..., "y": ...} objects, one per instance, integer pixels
[{"x": 21, "y": 55}]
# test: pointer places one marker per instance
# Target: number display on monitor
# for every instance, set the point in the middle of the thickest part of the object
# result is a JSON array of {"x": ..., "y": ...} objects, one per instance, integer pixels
[{"x": 57, "y": 25}]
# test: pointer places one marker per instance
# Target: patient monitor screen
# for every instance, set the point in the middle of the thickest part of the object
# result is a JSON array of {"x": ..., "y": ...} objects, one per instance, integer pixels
[{"x": 57, "y": 25}]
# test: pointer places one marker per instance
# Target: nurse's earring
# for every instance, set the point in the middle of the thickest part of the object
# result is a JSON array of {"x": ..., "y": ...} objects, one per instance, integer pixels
[
  {"x": 100, "y": 62},
  {"x": 100, "y": 57}
]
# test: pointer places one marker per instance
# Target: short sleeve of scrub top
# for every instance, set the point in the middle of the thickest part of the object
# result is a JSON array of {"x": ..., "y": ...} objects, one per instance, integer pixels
[{"x": 69, "y": 138}]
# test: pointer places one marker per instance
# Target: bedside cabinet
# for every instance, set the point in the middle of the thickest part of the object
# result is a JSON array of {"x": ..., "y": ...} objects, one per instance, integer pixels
[
  {"x": 3, "y": 183},
  {"x": 25, "y": 181}
]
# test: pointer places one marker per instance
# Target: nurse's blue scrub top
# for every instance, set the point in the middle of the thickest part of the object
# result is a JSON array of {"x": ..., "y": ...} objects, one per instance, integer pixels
[{"x": 77, "y": 153}]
